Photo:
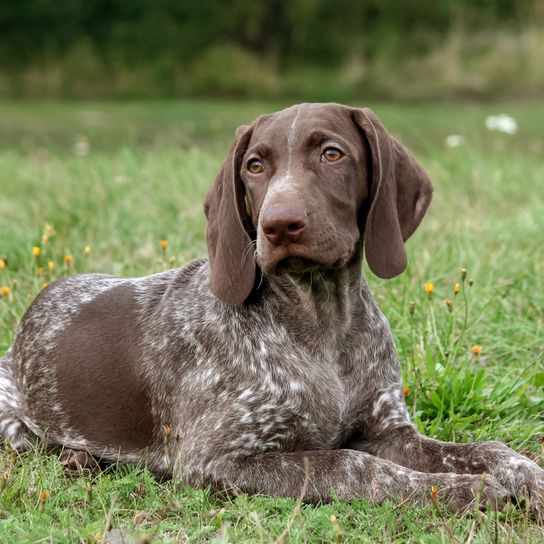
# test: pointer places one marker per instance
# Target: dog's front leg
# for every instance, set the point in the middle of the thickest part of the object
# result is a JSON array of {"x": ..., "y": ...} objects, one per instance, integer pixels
[
  {"x": 389, "y": 435},
  {"x": 319, "y": 475}
]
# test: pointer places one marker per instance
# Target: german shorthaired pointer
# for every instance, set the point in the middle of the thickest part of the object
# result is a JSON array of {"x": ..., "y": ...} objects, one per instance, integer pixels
[{"x": 269, "y": 365}]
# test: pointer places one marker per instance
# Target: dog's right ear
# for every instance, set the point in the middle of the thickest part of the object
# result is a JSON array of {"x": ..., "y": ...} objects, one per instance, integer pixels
[{"x": 228, "y": 233}]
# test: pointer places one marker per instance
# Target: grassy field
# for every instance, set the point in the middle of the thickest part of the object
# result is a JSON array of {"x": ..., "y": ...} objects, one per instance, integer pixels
[{"x": 119, "y": 178}]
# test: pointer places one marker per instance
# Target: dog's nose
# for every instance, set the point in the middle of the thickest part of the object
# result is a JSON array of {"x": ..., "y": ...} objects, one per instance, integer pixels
[{"x": 284, "y": 224}]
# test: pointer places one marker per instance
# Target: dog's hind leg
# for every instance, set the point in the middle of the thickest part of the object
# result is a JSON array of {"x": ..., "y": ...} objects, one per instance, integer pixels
[{"x": 12, "y": 429}]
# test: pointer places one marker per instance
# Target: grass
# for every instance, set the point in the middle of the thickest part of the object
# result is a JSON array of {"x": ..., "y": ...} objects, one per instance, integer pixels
[{"x": 122, "y": 177}]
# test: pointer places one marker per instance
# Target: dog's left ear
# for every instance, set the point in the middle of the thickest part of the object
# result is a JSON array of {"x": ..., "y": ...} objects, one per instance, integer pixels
[
  {"x": 400, "y": 193},
  {"x": 230, "y": 247}
]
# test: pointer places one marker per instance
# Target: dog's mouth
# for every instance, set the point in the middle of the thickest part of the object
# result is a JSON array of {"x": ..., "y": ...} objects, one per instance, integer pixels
[
  {"x": 297, "y": 265},
  {"x": 301, "y": 265},
  {"x": 299, "y": 259}
]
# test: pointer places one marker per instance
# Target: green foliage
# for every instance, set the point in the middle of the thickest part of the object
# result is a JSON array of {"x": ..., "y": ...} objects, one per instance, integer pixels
[
  {"x": 267, "y": 48},
  {"x": 121, "y": 178}
]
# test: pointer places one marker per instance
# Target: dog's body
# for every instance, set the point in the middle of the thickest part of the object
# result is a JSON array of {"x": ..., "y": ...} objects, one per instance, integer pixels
[{"x": 254, "y": 372}]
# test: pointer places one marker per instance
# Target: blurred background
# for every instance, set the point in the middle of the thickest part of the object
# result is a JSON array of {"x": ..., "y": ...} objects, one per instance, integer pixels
[{"x": 315, "y": 50}]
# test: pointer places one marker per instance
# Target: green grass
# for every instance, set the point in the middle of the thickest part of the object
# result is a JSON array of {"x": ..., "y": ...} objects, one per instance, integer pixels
[{"x": 144, "y": 178}]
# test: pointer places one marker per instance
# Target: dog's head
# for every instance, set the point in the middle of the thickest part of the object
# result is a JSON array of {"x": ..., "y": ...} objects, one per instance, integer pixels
[{"x": 299, "y": 190}]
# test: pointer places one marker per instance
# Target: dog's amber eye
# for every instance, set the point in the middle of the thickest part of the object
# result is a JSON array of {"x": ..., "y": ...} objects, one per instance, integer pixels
[
  {"x": 331, "y": 154},
  {"x": 255, "y": 166}
]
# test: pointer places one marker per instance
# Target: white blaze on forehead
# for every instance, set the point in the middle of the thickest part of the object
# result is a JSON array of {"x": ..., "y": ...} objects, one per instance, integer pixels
[
  {"x": 291, "y": 140},
  {"x": 283, "y": 181}
]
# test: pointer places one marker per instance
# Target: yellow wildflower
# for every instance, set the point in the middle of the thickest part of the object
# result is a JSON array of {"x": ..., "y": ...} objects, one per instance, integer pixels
[
  {"x": 87, "y": 250},
  {"x": 51, "y": 265},
  {"x": 5, "y": 291},
  {"x": 164, "y": 245},
  {"x": 456, "y": 288},
  {"x": 40, "y": 271},
  {"x": 36, "y": 251},
  {"x": 68, "y": 260},
  {"x": 2, "y": 264},
  {"x": 406, "y": 390},
  {"x": 434, "y": 492},
  {"x": 44, "y": 495},
  {"x": 476, "y": 350},
  {"x": 429, "y": 289},
  {"x": 449, "y": 305}
]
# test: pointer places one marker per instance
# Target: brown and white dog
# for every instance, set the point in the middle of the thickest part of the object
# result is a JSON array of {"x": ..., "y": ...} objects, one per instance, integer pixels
[{"x": 270, "y": 364}]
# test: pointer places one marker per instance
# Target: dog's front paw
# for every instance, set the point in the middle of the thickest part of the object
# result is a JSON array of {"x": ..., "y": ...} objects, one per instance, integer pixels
[
  {"x": 523, "y": 478},
  {"x": 464, "y": 492}
]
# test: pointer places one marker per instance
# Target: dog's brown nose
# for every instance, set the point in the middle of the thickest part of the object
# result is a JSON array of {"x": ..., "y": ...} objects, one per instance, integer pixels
[{"x": 284, "y": 223}]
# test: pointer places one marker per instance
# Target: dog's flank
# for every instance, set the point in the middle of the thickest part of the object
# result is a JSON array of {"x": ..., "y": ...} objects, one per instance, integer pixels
[{"x": 269, "y": 365}]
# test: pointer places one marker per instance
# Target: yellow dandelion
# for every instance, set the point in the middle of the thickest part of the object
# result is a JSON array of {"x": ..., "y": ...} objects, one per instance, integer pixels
[
  {"x": 87, "y": 250},
  {"x": 2, "y": 264},
  {"x": 68, "y": 260},
  {"x": 476, "y": 350},
  {"x": 434, "y": 492},
  {"x": 429, "y": 289},
  {"x": 406, "y": 390},
  {"x": 164, "y": 245},
  {"x": 449, "y": 305},
  {"x": 456, "y": 288},
  {"x": 44, "y": 495},
  {"x": 51, "y": 265},
  {"x": 5, "y": 291},
  {"x": 36, "y": 250}
]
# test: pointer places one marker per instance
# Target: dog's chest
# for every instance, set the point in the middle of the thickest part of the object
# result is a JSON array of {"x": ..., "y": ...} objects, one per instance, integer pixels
[{"x": 286, "y": 400}]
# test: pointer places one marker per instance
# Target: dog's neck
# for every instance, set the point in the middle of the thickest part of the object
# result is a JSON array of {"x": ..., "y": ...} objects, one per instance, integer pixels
[{"x": 318, "y": 303}]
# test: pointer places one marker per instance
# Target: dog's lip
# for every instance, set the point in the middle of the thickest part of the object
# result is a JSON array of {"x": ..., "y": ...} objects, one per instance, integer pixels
[
  {"x": 297, "y": 264},
  {"x": 297, "y": 259}
]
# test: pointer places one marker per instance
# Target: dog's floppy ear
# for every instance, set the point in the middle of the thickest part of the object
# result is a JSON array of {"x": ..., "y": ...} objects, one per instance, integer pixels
[
  {"x": 230, "y": 247},
  {"x": 400, "y": 193}
]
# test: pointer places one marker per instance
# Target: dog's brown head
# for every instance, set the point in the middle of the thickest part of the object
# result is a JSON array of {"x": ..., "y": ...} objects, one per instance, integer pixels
[{"x": 299, "y": 189}]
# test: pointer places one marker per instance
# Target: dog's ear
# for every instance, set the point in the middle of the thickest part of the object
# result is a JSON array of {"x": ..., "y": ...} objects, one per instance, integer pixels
[
  {"x": 230, "y": 246},
  {"x": 400, "y": 193}
]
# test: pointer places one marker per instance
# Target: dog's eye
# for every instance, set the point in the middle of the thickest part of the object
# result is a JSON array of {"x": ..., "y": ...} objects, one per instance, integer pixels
[
  {"x": 331, "y": 154},
  {"x": 255, "y": 166}
]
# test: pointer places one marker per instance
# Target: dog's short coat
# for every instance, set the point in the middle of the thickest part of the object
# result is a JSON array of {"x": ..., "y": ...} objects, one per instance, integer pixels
[{"x": 271, "y": 363}]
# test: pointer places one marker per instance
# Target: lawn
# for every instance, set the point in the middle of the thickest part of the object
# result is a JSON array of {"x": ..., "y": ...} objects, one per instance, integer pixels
[{"x": 97, "y": 186}]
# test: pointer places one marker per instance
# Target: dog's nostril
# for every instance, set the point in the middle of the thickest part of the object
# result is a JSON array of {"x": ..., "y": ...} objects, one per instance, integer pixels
[{"x": 293, "y": 227}]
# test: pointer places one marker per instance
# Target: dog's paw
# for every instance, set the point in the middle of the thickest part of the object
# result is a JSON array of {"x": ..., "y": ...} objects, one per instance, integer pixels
[
  {"x": 465, "y": 492},
  {"x": 523, "y": 478},
  {"x": 77, "y": 462}
]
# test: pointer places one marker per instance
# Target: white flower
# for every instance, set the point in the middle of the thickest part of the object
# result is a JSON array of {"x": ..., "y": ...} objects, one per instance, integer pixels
[
  {"x": 82, "y": 146},
  {"x": 455, "y": 140},
  {"x": 502, "y": 123}
]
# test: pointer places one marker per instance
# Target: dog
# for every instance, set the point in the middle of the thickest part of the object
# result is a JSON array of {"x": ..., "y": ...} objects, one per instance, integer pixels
[{"x": 267, "y": 368}]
